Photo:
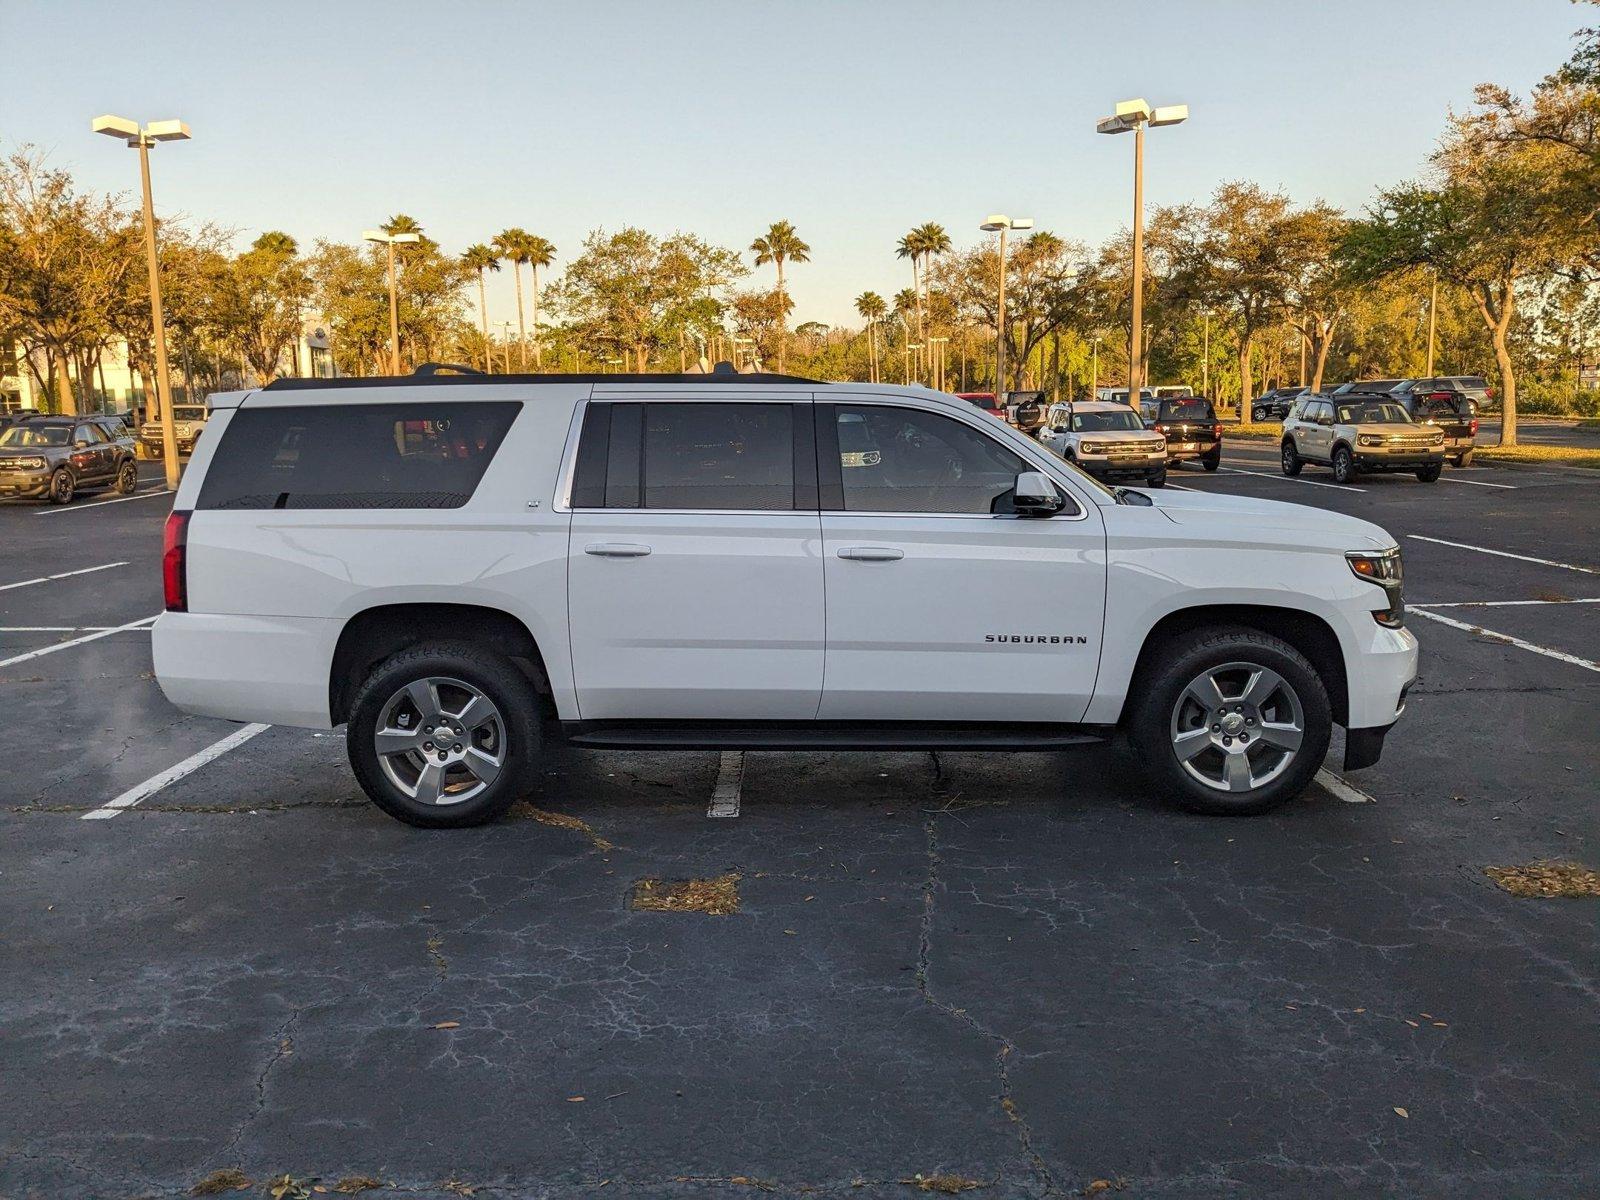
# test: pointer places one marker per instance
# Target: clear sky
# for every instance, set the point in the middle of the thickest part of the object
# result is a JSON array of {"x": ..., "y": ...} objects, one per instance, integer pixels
[{"x": 853, "y": 120}]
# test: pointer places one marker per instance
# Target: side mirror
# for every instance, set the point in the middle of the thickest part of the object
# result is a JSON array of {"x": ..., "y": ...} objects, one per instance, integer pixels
[{"x": 1033, "y": 495}]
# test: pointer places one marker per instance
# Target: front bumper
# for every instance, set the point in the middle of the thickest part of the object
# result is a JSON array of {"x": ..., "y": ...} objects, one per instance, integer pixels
[
  {"x": 24, "y": 485},
  {"x": 1123, "y": 466},
  {"x": 1379, "y": 459}
]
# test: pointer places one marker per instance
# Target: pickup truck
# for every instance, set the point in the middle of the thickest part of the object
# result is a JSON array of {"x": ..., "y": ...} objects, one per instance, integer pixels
[{"x": 189, "y": 421}]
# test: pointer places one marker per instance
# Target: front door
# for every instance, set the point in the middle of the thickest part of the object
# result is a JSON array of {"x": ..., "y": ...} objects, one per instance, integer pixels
[
  {"x": 694, "y": 575},
  {"x": 941, "y": 605}
]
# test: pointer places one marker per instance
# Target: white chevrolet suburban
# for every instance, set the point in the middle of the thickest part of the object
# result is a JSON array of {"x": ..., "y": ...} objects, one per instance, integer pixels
[{"x": 458, "y": 566}]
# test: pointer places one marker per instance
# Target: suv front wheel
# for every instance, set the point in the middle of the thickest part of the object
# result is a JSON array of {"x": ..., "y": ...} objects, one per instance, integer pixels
[
  {"x": 1292, "y": 462},
  {"x": 1235, "y": 722},
  {"x": 1344, "y": 465},
  {"x": 444, "y": 734}
]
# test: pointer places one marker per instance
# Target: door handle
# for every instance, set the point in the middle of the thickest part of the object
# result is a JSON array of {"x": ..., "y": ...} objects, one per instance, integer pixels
[
  {"x": 616, "y": 549},
  {"x": 871, "y": 553}
]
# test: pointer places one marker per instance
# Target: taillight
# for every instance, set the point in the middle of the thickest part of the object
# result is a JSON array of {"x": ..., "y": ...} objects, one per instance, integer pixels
[
  {"x": 175, "y": 561},
  {"x": 1473, "y": 424},
  {"x": 1441, "y": 396},
  {"x": 1159, "y": 428}
]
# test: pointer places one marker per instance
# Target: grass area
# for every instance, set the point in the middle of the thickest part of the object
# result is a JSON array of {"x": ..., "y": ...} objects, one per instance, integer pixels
[
  {"x": 1589, "y": 423},
  {"x": 1576, "y": 456},
  {"x": 1272, "y": 430}
]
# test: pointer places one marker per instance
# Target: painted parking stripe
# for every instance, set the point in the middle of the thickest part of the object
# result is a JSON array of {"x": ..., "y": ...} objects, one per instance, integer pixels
[
  {"x": 74, "y": 629},
  {"x": 78, "y": 641},
  {"x": 1510, "y": 487},
  {"x": 1338, "y": 487},
  {"x": 1504, "y": 603},
  {"x": 1339, "y": 789},
  {"x": 1543, "y": 562},
  {"x": 730, "y": 778},
  {"x": 1558, "y": 655},
  {"x": 143, "y": 791},
  {"x": 6, "y": 587},
  {"x": 72, "y": 508}
]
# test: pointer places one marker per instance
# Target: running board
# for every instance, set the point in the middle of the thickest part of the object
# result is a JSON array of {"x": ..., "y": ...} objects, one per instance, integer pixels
[{"x": 830, "y": 735}]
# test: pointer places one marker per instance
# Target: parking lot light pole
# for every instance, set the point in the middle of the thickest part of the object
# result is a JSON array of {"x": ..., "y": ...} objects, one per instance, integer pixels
[
  {"x": 1002, "y": 223},
  {"x": 1433, "y": 311},
  {"x": 938, "y": 344},
  {"x": 141, "y": 139},
  {"x": 391, "y": 240},
  {"x": 1131, "y": 116},
  {"x": 1094, "y": 370}
]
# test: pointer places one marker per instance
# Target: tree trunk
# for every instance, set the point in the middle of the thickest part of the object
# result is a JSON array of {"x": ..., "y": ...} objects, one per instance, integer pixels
[
  {"x": 1246, "y": 345},
  {"x": 483, "y": 322},
  {"x": 66, "y": 403},
  {"x": 1321, "y": 343},
  {"x": 1497, "y": 311},
  {"x": 522, "y": 330},
  {"x": 783, "y": 317},
  {"x": 538, "y": 347}
]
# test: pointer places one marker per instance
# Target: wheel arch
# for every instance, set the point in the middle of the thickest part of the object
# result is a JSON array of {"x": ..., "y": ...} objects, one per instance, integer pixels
[
  {"x": 1306, "y": 632},
  {"x": 373, "y": 634}
]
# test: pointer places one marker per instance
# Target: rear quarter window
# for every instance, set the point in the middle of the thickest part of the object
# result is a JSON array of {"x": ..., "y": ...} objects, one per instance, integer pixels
[{"x": 343, "y": 456}]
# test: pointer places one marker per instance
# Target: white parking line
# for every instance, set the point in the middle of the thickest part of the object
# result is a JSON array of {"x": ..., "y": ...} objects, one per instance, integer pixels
[
  {"x": 1559, "y": 655},
  {"x": 730, "y": 778},
  {"x": 1510, "y": 487},
  {"x": 70, "y": 508},
  {"x": 1338, "y": 487},
  {"x": 73, "y": 629},
  {"x": 141, "y": 792},
  {"x": 1543, "y": 562},
  {"x": 1504, "y": 603},
  {"x": 1341, "y": 790},
  {"x": 71, "y": 642},
  {"x": 6, "y": 587}
]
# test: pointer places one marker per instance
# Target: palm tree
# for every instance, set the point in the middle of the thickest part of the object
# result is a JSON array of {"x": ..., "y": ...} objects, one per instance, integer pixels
[
  {"x": 778, "y": 245},
  {"x": 400, "y": 223},
  {"x": 920, "y": 245},
  {"x": 872, "y": 308},
  {"x": 514, "y": 244},
  {"x": 481, "y": 258},
  {"x": 541, "y": 253},
  {"x": 907, "y": 301}
]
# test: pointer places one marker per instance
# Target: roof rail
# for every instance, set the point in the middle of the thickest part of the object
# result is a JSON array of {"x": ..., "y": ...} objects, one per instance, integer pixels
[
  {"x": 432, "y": 368},
  {"x": 438, "y": 377}
]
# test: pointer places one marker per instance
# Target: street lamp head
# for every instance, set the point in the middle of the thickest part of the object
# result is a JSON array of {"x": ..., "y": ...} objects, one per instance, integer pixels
[
  {"x": 994, "y": 222},
  {"x": 1171, "y": 114},
  {"x": 1132, "y": 111},
  {"x": 117, "y": 127},
  {"x": 1022, "y": 223},
  {"x": 406, "y": 238},
  {"x": 167, "y": 131},
  {"x": 1114, "y": 125},
  {"x": 374, "y": 235}
]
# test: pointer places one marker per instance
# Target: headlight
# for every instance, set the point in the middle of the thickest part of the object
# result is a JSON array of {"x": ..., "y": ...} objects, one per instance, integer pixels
[
  {"x": 1384, "y": 570},
  {"x": 1369, "y": 439},
  {"x": 1088, "y": 447}
]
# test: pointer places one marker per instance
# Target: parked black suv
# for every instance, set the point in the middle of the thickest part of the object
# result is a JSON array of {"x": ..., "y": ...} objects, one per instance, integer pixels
[
  {"x": 1275, "y": 405},
  {"x": 52, "y": 458},
  {"x": 1191, "y": 428},
  {"x": 1451, "y": 405}
]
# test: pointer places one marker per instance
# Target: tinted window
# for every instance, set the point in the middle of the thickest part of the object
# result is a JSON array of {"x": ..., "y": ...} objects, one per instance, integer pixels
[
  {"x": 34, "y": 435},
  {"x": 1376, "y": 412},
  {"x": 902, "y": 460},
  {"x": 717, "y": 456},
  {"x": 356, "y": 455},
  {"x": 1186, "y": 410},
  {"x": 1103, "y": 422},
  {"x": 93, "y": 435},
  {"x": 191, "y": 413}
]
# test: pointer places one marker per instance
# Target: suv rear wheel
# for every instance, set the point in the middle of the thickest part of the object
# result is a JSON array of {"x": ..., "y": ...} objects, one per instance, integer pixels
[
  {"x": 1429, "y": 472},
  {"x": 1235, "y": 722},
  {"x": 444, "y": 735},
  {"x": 1344, "y": 465},
  {"x": 62, "y": 487}
]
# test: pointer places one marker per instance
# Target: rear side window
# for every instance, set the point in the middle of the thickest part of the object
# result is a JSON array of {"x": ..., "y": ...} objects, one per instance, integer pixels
[{"x": 356, "y": 455}]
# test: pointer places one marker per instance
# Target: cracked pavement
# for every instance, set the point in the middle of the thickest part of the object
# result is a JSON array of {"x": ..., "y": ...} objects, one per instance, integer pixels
[{"x": 1015, "y": 969}]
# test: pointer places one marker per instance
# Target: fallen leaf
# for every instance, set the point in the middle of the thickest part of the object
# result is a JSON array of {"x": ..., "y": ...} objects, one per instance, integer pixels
[
  {"x": 229, "y": 1179},
  {"x": 1412, "y": 1023},
  {"x": 575, "y": 1099},
  {"x": 1400, "y": 1112},
  {"x": 448, "y": 1025}
]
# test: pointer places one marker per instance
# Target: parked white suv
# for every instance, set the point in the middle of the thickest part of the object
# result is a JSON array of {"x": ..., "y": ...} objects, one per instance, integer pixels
[{"x": 695, "y": 562}]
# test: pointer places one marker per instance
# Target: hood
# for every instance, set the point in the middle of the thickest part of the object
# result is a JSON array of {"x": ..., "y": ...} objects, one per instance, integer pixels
[{"x": 1270, "y": 521}]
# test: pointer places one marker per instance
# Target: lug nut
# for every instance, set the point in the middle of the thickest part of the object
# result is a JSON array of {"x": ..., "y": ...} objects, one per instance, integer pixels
[
  {"x": 427, "y": 745},
  {"x": 1249, "y": 720},
  {"x": 1227, "y": 741},
  {"x": 457, "y": 747},
  {"x": 1216, "y": 729}
]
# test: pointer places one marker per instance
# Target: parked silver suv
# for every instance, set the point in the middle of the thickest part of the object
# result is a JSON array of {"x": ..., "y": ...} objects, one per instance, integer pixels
[{"x": 1360, "y": 433}]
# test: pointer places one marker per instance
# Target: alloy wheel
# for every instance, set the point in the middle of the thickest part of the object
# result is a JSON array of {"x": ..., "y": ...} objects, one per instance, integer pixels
[
  {"x": 1237, "y": 727},
  {"x": 440, "y": 741}
]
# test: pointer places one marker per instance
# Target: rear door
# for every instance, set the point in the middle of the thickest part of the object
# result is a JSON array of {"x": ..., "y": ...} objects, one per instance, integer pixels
[
  {"x": 694, "y": 571},
  {"x": 942, "y": 606}
]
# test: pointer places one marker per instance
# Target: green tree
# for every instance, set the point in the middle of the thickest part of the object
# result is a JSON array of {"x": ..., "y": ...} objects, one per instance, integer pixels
[
  {"x": 872, "y": 309},
  {"x": 541, "y": 252},
  {"x": 516, "y": 246},
  {"x": 780, "y": 244}
]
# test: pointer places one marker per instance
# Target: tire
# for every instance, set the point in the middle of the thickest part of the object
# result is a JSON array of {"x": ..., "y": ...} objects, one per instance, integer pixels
[
  {"x": 1157, "y": 480},
  {"x": 62, "y": 487},
  {"x": 1258, "y": 414},
  {"x": 127, "y": 478},
  {"x": 401, "y": 781},
  {"x": 1293, "y": 464},
  {"x": 1430, "y": 473},
  {"x": 1211, "y": 459},
  {"x": 1464, "y": 459},
  {"x": 1165, "y": 717},
  {"x": 1344, "y": 465}
]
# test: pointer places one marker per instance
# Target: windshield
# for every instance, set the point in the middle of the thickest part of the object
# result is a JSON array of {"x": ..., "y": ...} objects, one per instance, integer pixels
[
  {"x": 1187, "y": 410},
  {"x": 189, "y": 414},
  {"x": 1375, "y": 413},
  {"x": 1105, "y": 422},
  {"x": 35, "y": 435}
]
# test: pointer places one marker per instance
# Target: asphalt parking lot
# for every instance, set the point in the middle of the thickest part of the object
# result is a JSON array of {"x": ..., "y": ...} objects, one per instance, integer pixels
[{"x": 1015, "y": 972}]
